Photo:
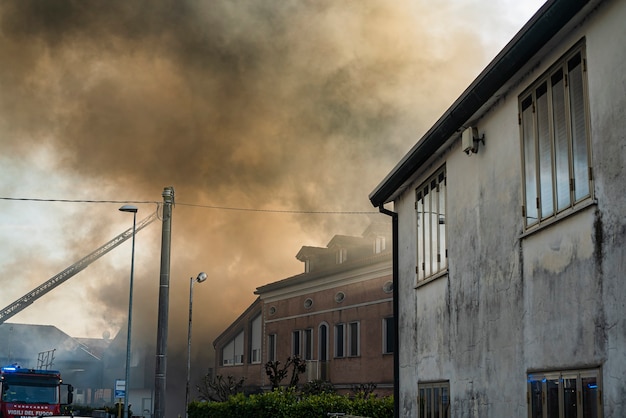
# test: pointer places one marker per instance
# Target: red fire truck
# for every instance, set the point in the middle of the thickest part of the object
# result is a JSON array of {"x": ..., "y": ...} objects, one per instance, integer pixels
[{"x": 29, "y": 393}]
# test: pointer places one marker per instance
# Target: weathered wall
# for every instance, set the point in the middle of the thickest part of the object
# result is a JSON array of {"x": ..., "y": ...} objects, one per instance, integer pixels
[
  {"x": 551, "y": 300},
  {"x": 607, "y": 106},
  {"x": 407, "y": 320}
]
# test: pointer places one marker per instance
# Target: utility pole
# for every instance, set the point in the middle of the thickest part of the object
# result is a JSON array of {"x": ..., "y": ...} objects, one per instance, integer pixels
[{"x": 164, "y": 295}]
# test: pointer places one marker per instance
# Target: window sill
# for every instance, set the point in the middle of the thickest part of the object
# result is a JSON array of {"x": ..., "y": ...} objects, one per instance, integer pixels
[
  {"x": 559, "y": 217},
  {"x": 432, "y": 278}
]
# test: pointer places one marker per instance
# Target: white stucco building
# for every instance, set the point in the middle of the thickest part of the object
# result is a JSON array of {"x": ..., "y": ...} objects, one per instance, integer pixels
[{"x": 511, "y": 231}]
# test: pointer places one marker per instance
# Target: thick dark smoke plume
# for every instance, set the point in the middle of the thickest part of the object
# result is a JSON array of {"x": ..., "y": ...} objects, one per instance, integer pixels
[{"x": 264, "y": 105}]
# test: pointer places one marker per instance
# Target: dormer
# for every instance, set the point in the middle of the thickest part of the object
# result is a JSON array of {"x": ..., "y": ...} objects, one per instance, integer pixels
[
  {"x": 379, "y": 234},
  {"x": 344, "y": 246},
  {"x": 311, "y": 257}
]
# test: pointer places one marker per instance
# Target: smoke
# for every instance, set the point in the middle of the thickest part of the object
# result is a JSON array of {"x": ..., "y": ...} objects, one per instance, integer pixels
[{"x": 275, "y": 105}]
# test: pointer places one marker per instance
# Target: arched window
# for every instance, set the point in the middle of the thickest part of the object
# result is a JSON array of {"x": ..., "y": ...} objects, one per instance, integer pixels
[
  {"x": 323, "y": 351},
  {"x": 323, "y": 342}
]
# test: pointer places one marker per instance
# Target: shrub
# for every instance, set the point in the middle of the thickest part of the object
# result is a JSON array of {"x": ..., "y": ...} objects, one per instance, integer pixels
[
  {"x": 285, "y": 403},
  {"x": 318, "y": 387},
  {"x": 372, "y": 406},
  {"x": 364, "y": 390},
  {"x": 219, "y": 388}
]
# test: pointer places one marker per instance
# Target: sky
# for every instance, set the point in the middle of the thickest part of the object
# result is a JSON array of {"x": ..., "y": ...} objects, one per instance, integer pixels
[{"x": 273, "y": 121}]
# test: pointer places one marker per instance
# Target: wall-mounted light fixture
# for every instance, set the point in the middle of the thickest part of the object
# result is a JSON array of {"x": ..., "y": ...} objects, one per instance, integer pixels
[{"x": 470, "y": 140}]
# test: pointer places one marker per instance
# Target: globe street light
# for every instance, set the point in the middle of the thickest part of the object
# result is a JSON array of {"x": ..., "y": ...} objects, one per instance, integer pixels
[
  {"x": 133, "y": 209},
  {"x": 201, "y": 277}
]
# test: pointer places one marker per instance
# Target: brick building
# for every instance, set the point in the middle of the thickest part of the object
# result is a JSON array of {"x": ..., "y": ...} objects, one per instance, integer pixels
[{"x": 337, "y": 316}]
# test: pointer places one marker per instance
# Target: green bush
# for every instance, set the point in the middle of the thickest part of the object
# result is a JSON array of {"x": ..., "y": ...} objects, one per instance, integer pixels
[
  {"x": 371, "y": 406},
  {"x": 285, "y": 403},
  {"x": 317, "y": 387}
]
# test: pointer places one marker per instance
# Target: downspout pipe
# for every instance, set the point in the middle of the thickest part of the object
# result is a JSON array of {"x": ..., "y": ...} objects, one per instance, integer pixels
[{"x": 396, "y": 311}]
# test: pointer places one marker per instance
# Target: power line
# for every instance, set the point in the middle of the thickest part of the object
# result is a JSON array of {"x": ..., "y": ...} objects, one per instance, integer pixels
[
  {"x": 29, "y": 199},
  {"x": 324, "y": 212},
  {"x": 230, "y": 208}
]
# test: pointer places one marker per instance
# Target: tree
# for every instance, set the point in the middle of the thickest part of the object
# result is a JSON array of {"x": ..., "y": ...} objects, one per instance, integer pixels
[
  {"x": 219, "y": 389},
  {"x": 276, "y": 374}
]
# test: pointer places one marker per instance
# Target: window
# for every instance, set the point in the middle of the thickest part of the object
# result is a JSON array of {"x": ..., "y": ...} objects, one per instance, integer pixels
[
  {"x": 354, "y": 347},
  {"x": 565, "y": 394},
  {"x": 307, "y": 344},
  {"x": 379, "y": 245},
  {"x": 239, "y": 348},
  {"x": 433, "y": 400},
  {"x": 555, "y": 142},
  {"x": 388, "y": 335},
  {"x": 430, "y": 207},
  {"x": 339, "y": 340},
  {"x": 323, "y": 342},
  {"x": 296, "y": 348},
  {"x": 342, "y": 255},
  {"x": 232, "y": 353},
  {"x": 271, "y": 347},
  {"x": 228, "y": 353},
  {"x": 255, "y": 340}
]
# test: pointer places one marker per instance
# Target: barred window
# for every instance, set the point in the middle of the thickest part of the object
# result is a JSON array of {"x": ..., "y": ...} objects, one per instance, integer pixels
[
  {"x": 555, "y": 140},
  {"x": 562, "y": 394},
  {"x": 433, "y": 400},
  {"x": 430, "y": 207}
]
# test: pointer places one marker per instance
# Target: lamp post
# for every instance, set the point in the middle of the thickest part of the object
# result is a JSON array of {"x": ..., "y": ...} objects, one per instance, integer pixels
[
  {"x": 201, "y": 277},
  {"x": 133, "y": 209}
]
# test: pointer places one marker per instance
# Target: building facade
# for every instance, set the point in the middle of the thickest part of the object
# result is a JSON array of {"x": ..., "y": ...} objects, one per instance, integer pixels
[
  {"x": 337, "y": 316},
  {"x": 511, "y": 231}
]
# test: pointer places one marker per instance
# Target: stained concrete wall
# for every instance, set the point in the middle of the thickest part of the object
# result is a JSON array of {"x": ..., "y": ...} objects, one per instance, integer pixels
[{"x": 514, "y": 302}]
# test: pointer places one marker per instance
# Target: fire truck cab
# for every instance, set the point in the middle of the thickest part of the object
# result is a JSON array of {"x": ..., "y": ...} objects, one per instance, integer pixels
[{"x": 32, "y": 393}]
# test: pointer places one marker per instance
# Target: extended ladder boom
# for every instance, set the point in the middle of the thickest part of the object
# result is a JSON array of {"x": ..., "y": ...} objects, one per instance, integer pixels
[{"x": 72, "y": 270}]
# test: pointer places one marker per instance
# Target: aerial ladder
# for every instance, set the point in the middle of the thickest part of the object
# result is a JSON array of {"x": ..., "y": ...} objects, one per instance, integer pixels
[{"x": 26, "y": 300}]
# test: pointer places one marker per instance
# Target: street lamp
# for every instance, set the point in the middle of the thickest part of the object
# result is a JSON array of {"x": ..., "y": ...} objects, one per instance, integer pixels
[
  {"x": 201, "y": 277},
  {"x": 133, "y": 209}
]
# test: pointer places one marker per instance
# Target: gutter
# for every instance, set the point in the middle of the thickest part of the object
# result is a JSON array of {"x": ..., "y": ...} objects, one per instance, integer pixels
[
  {"x": 396, "y": 310},
  {"x": 551, "y": 18}
]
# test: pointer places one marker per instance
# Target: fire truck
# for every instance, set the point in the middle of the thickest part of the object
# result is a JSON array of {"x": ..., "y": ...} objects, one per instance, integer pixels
[{"x": 29, "y": 393}]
